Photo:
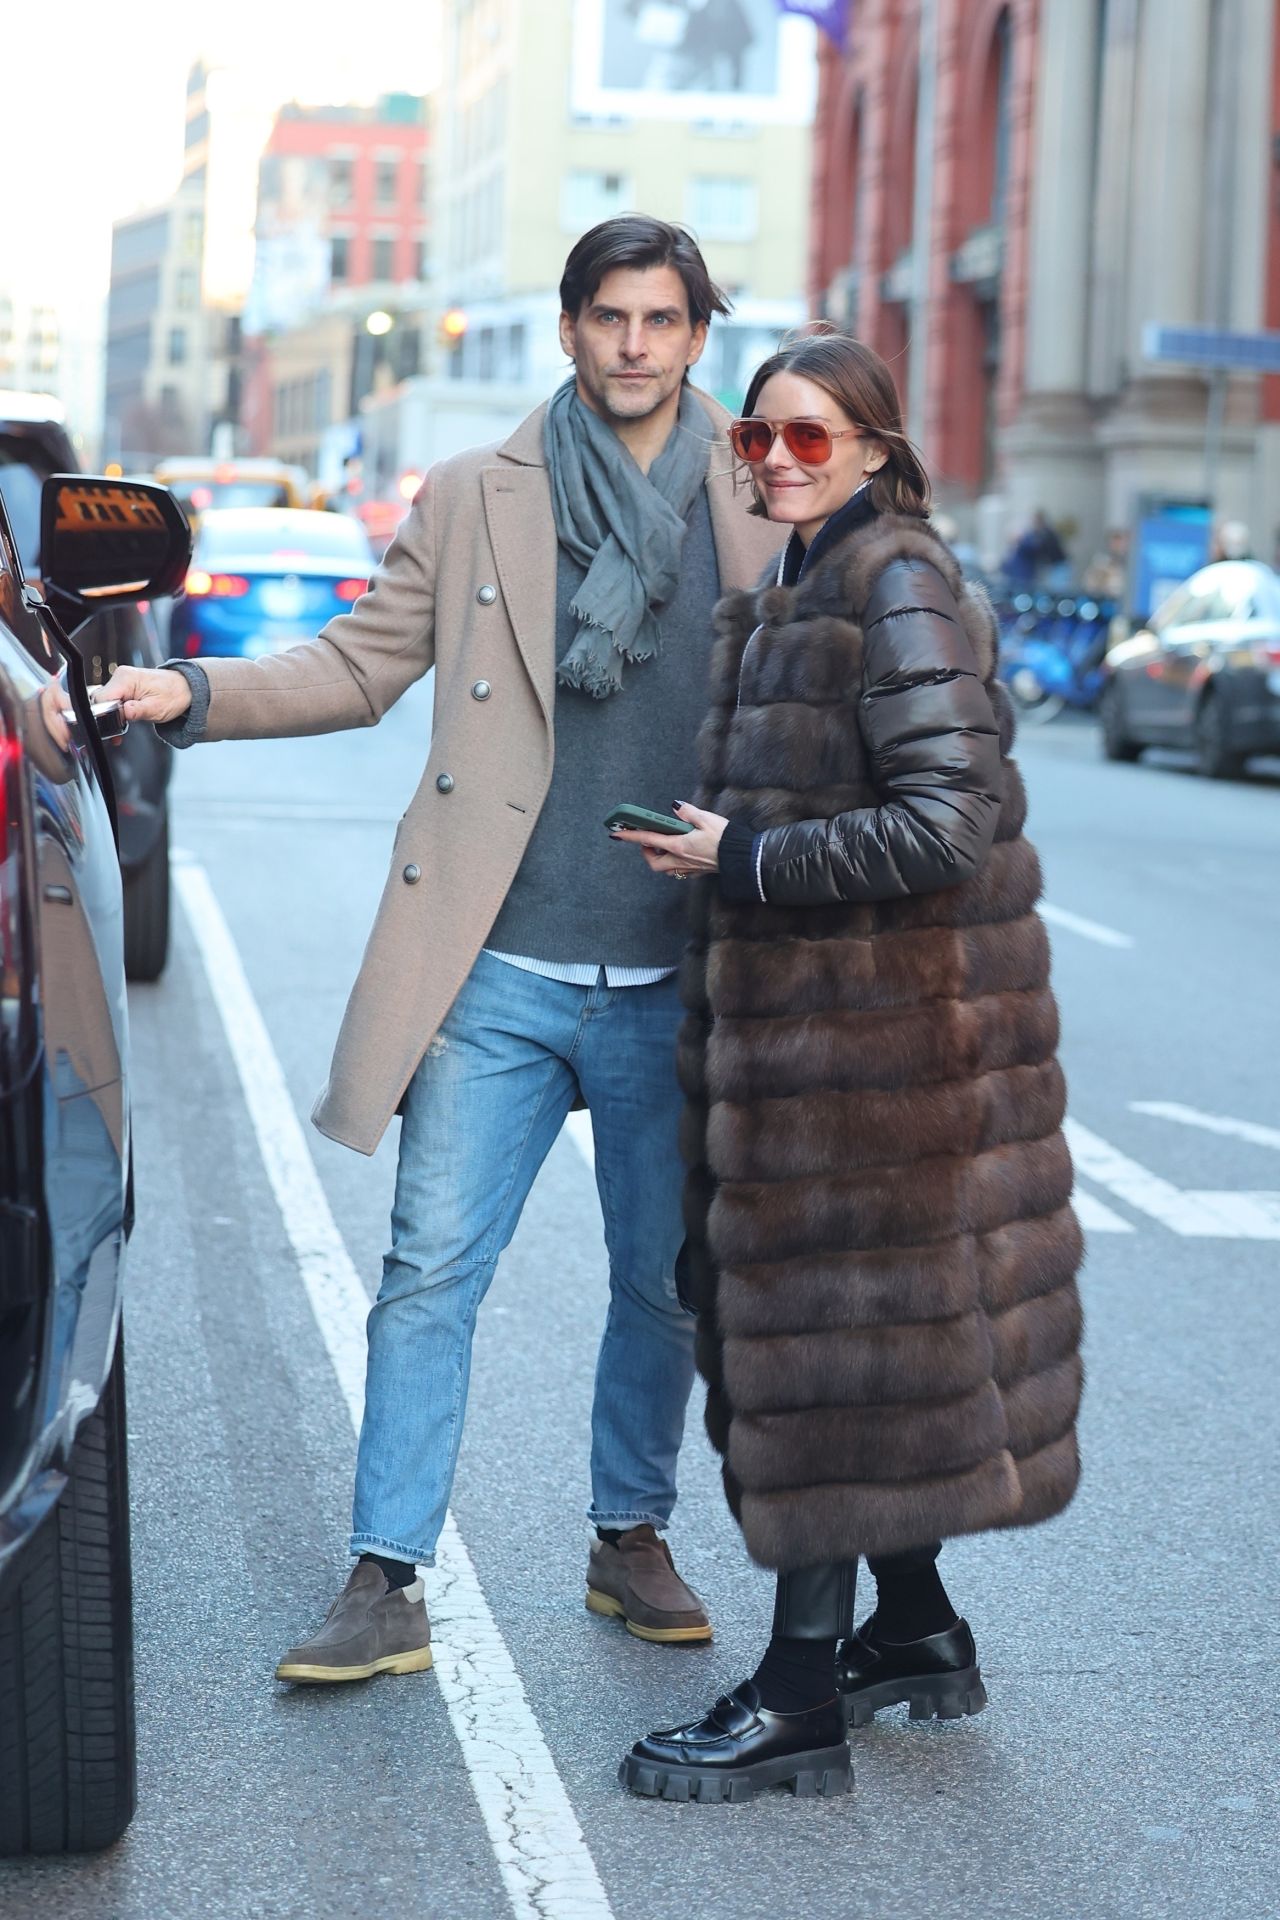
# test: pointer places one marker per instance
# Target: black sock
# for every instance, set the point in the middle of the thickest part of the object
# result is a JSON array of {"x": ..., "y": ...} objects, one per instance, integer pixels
[
  {"x": 399, "y": 1573},
  {"x": 911, "y": 1601},
  {"x": 610, "y": 1535},
  {"x": 796, "y": 1675}
]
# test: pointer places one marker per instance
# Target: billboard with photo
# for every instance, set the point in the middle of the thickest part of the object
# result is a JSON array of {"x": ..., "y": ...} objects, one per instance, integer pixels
[{"x": 692, "y": 59}]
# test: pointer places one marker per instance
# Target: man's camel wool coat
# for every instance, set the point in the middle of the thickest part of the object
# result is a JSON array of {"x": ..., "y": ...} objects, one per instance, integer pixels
[
  {"x": 881, "y": 1242},
  {"x": 468, "y": 586}
]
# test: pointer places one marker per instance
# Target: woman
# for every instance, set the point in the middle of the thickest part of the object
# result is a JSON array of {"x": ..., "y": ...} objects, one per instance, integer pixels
[{"x": 881, "y": 1246}]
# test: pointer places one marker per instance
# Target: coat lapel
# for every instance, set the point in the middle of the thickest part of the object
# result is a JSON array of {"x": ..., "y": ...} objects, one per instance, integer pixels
[{"x": 517, "y": 505}]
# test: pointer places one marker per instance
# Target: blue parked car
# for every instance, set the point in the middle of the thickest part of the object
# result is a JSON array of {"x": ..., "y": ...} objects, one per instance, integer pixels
[{"x": 264, "y": 578}]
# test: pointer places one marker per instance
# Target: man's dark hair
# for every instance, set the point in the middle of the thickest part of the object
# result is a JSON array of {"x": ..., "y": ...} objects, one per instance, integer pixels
[{"x": 636, "y": 240}]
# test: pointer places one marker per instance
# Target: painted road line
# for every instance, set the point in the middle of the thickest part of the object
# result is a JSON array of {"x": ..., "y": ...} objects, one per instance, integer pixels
[
  {"x": 1095, "y": 1216},
  {"x": 578, "y": 1128},
  {"x": 1250, "y": 1130},
  {"x": 1087, "y": 929},
  {"x": 1197, "y": 1216},
  {"x": 545, "y": 1864}
]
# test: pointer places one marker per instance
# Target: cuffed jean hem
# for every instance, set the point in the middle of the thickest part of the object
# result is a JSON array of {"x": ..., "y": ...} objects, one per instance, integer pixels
[
  {"x": 620, "y": 1522},
  {"x": 390, "y": 1550}
]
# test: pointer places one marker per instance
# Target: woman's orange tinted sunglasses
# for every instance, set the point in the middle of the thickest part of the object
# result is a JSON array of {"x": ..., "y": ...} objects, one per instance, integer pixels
[{"x": 808, "y": 441}]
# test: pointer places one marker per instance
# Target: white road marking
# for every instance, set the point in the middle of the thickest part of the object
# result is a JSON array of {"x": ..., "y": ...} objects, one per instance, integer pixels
[
  {"x": 1200, "y": 1216},
  {"x": 1087, "y": 929},
  {"x": 544, "y": 1860},
  {"x": 1095, "y": 1216},
  {"x": 578, "y": 1127},
  {"x": 1250, "y": 1130}
]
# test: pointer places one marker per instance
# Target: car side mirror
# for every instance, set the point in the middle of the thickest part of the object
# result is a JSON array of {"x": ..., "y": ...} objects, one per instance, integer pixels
[{"x": 104, "y": 543}]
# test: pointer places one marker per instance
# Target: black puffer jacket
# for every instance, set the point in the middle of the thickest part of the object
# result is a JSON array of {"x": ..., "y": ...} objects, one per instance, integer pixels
[{"x": 933, "y": 756}]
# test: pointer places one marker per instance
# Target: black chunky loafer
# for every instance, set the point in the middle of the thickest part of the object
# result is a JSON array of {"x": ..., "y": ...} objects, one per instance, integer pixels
[
  {"x": 938, "y": 1677},
  {"x": 739, "y": 1749}
]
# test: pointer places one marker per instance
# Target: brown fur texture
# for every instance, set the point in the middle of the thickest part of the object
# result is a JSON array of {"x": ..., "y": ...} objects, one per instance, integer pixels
[{"x": 881, "y": 1241}]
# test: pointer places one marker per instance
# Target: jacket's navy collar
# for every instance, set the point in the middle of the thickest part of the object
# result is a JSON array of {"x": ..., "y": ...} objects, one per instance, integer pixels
[{"x": 797, "y": 558}]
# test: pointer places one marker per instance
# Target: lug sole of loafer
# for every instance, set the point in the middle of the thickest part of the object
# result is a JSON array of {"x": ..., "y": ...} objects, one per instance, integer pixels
[
  {"x": 418, "y": 1661},
  {"x": 948, "y": 1696},
  {"x": 610, "y": 1609},
  {"x": 809, "y": 1775}
]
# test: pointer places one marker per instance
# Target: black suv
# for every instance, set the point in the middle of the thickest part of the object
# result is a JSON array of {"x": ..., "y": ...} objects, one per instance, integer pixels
[
  {"x": 34, "y": 443},
  {"x": 66, "y": 1648}
]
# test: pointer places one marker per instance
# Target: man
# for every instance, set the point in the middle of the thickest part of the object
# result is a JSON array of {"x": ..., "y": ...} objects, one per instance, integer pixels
[{"x": 562, "y": 585}]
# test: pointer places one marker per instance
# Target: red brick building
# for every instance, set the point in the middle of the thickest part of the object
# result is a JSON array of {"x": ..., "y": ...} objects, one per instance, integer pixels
[
  {"x": 341, "y": 231},
  {"x": 1007, "y": 194},
  {"x": 969, "y": 289}
]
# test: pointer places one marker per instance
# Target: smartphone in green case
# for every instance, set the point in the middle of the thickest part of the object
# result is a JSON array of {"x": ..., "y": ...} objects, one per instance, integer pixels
[{"x": 649, "y": 822}]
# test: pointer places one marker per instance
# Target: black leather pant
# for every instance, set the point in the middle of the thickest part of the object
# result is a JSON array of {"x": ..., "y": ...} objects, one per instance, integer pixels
[{"x": 816, "y": 1603}]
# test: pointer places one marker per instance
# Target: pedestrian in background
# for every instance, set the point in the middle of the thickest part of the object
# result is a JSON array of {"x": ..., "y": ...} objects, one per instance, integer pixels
[
  {"x": 1034, "y": 555},
  {"x": 562, "y": 586},
  {"x": 882, "y": 1248}
]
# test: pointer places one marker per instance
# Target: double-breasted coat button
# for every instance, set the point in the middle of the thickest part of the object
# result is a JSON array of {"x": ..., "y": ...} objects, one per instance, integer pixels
[
  {"x": 444, "y": 783},
  {"x": 486, "y": 596},
  {"x": 412, "y": 875},
  {"x": 481, "y": 690}
]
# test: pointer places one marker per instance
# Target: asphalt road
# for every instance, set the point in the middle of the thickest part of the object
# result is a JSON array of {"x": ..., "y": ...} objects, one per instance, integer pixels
[{"x": 1127, "y": 1764}]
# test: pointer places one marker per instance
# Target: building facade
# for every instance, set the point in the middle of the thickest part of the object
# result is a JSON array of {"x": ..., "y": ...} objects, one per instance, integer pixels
[
  {"x": 1007, "y": 194},
  {"x": 341, "y": 241},
  {"x": 556, "y": 114},
  {"x": 155, "y": 392}
]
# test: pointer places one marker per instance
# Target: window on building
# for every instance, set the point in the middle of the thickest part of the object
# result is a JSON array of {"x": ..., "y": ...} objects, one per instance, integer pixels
[
  {"x": 386, "y": 177},
  {"x": 587, "y": 197},
  {"x": 719, "y": 207},
  {"x": 516, "y": 343},
  {"x": 177, "y": 346},
  {"x": 339, "y": 257},
  {"x": 384, "y": 253},
  {"x": 421, "y": 260},
  {"x": 340, "y": 182},
  {"x": 1000, "y": 166},
  {"x": 187, "y": 289}
]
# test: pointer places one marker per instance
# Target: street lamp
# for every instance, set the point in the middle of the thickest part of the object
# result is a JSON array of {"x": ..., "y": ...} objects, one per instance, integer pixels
[{"x": 379, "y": 322}]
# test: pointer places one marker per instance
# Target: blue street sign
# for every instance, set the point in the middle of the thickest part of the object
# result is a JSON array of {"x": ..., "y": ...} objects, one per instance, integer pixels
[
  {"x": 1171, "y": 542},
  {"x": 1212, "y": 347}
]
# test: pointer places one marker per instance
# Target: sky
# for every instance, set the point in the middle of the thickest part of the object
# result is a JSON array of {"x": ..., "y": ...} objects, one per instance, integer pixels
[{"x": 95, "y": 99}]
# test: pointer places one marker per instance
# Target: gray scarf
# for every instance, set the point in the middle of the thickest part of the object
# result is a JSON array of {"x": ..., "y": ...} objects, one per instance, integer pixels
[{"x": 626, "y": 528}]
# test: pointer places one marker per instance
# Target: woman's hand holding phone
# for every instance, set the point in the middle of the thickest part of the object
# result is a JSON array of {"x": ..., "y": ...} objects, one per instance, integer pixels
[{"x": 674, "y": 853}]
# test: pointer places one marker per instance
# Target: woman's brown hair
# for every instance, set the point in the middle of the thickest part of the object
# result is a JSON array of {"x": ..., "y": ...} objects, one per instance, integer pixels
[{"x": 860, "y": 383}]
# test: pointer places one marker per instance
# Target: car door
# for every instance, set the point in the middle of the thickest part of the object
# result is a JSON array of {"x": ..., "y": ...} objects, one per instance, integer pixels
[
  {"x": 1141, "y": 661},
  {"x": 76, "y": 967}
]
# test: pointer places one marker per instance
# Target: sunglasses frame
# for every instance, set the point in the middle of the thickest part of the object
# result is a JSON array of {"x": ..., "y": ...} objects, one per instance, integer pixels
[{"x": 781, "y": 427}]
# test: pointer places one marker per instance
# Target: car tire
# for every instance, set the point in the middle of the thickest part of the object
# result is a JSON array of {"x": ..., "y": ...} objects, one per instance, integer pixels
[
  {"x": 146, "y": 912},
  {"x": 1116, "y": 743},
  {"x": 67, "y": 1739},
  {"x": 1216, "y": 759}
]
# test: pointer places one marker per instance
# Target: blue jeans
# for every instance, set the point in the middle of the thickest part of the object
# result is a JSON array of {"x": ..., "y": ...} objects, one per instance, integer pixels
[{"x": 481, "y": 1114}]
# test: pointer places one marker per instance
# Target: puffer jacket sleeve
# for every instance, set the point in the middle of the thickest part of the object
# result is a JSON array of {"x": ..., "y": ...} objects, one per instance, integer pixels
[{"x": 934, "y": 755}]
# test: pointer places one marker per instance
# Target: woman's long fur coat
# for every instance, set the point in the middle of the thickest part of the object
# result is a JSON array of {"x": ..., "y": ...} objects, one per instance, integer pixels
[{"x": 881, "y": 1244}]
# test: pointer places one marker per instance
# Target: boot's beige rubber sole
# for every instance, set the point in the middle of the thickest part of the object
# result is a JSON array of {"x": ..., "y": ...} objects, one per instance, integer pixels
[
  {"x": 611, "y": 1609},
  {"x": 418, "y": 1661}
]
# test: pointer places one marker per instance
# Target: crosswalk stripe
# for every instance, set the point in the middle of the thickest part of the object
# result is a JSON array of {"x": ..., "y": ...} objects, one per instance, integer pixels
[{"x": 1251, "y": 1130}]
